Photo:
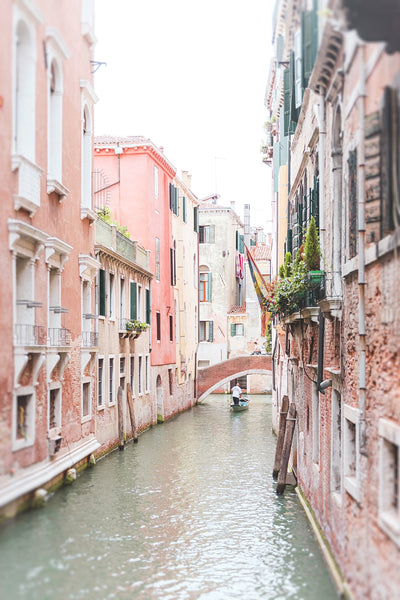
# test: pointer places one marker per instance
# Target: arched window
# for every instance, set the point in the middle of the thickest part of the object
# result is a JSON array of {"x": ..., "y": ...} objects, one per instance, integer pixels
[
  {"x": 205, "y": 291},
  {"x": 86, "y": 191},
  {"x": 54, "y": 140}
]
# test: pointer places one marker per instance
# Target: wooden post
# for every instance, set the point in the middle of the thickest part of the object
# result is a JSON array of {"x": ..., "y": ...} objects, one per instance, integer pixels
[
  {"x": 120, "y": 420},
  {"x": 132, "y": 413},
  {"x": 281, "y": 436},
  {"x": 290, "y": 423}
]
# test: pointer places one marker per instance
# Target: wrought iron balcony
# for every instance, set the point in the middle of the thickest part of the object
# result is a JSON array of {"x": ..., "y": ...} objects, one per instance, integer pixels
[
  {"x": 30, "y": 335},
  {"x": 89, "y": 339},
  {"x": 59, "y": 336}
]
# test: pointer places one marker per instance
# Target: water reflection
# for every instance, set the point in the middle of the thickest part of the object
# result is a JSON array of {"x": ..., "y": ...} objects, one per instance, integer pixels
[{"x": 188, "y": 513}]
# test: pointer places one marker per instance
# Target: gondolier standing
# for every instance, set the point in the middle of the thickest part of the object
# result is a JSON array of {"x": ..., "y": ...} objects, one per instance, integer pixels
[{"x": 236, "y": 393}]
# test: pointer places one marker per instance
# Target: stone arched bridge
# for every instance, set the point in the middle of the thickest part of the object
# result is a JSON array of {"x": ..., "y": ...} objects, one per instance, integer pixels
[{"x": 211, "y": 378}]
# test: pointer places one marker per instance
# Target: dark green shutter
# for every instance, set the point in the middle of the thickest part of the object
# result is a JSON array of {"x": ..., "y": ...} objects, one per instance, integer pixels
[
  {"x": 241, "y": 244},
  {"x": 148, "y": 307},
  {"x": 306, "y": 37},
  {"x": 102, "y": 293},
  {"x": 237, "y": 240},
  {"x": 233, "y": 329},
  {"x": 289, "y": 247},
  {"x": 286, "y": 101},
  {"x": 133, "y": 314},
  {"x": 210, "y": 331},
  {"x": 171, "y": 196},
  {"x": 184, "y": 209}
]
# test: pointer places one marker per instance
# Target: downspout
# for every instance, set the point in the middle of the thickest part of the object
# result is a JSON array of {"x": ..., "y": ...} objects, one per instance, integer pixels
[{"x": 361, "y": 253}]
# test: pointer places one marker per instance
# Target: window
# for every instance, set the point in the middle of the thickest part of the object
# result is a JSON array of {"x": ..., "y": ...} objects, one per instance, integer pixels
[
  {"x": 336, "y": 444},
  {"x": 122, "y": 374},
  {"x": 237, "y": 329},
  {"x": 389, "y": 505},
  {"x": 157, "y": 259},
  {"x": 174, "y": 199},
  {"x": 102, "y": 292},
  {"x": 111, "y": 381},
  {"x": 111, "y": 296},
  {"x": 206, "y": 234},
  {"x": 148, "y": 307},
  {"x": 171, "y": 328},
  {"x": 155, "y": 181},
  {"x": 206, "y": 331},
  {"x": 24, "y": 91},
  {"x": 139, "y": 303},
  {"x": 122, "y": 314},
  {"x": 133, "y": 300},
  {"x": 24, "y": 419},
  {"x": 351, "y": 451},
  {"x": 140, "y": 375},
  {"x": 196, "y": 219},
  {"x": 170, "y": 381},
  {"x": 100, "y": 382},
  {"x": 205, "y": 285},
  {"x": 353, "y": 173},
  {"x": 132, "y": 374},
  {"x": 54, "y": 407},
  {"x": 147, "y": 373},
  {"x": 298, "y": 90},
  {"x": 86, "y": 166},
  {"x": 172, "y": 262},
  {"x": 315, "y": 422},
  {"x": 158, "y": 326},
  {"x": 85, "y": 399}
]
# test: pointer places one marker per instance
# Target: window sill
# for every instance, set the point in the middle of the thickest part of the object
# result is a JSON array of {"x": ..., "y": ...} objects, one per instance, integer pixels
[
  {"x": 23, "y": 203},
  {"x": 389, "y": 522},
  {"x": 53, "y": 185},
  {"x": 101, "y": 407},
  {"x": 86, "y": 419},
  {"x": 352, "y": 487}
]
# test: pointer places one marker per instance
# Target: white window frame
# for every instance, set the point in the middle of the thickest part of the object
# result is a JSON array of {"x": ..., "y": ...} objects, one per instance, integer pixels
[
  {"x": 147, "y": 373},
  {"x": 86, "y": 381},
  {"x": 140, "y": 375},
  {"x": 19, "y": 443},
  {"x": 132, "y": 374},
  {"x": 389, "y": 515},
  {"x": 51, "y": 388},
  {"x": 102, "y": 383},
  {"x": 351, "y": 451},
  {"x": 111, "y": 296},
  {"x": 111, "y": 398}
]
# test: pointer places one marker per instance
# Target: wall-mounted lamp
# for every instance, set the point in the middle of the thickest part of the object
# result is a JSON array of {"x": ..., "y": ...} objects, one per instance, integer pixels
[{"x": 324, "y": 385}]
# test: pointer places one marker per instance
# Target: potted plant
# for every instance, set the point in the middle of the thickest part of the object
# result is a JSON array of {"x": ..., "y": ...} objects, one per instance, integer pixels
[
  {"x": 135, "y": 326},
  {"x": 312, "y": 255}
]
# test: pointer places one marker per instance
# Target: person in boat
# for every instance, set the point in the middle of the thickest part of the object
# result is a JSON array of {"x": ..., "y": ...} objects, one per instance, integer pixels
[{"x": 236, "y": 393}]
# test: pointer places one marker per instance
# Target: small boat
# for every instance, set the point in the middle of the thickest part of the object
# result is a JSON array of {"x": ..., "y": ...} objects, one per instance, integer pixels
[{"x": 243, "y": 405}]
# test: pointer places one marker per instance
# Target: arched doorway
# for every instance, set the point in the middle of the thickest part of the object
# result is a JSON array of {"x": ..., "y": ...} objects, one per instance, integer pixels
[{"x": 160, "y": 400}]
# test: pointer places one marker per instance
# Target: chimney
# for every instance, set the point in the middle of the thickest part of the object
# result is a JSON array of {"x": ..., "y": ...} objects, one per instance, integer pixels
[{"x": 187, "y": 179}]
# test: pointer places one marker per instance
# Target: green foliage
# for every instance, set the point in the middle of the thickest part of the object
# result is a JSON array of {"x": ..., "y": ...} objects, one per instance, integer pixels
[
  {"x": 105, "y": 215},
  {"x": 312, "y": 249},
  {"x": 287, "y": 292},
  {"x": 133, "y": 325},
  {"x": 282, "y": 271},
  {"x": 288, "y": 264},
  {"x": 268, "y": 337}
]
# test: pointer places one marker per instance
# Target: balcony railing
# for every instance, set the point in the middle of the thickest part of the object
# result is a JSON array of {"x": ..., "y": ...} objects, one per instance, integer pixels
[
  {"x": 59, "y": 336},
  {"x": 89, "y": 339},
  {"x": 30, "y": 335}
]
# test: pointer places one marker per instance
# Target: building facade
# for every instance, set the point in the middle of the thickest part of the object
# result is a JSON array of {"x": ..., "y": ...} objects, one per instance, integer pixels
[
  {"x": 47, "y": 258},
  {"x": 333, "y": 98}
]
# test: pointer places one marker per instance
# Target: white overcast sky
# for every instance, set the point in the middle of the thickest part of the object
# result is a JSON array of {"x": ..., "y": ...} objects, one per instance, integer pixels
[{"x": 191, "y": 75}]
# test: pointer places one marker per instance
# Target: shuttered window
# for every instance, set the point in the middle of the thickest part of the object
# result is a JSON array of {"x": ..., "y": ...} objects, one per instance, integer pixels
[
  {"x": 205, "y": 292},
  {"x": 196, "y": 219},
  {"x": 148, "y": 307},
  {"x": 207, "y": 234},
  {"x": 184, "y": 217},
  {"x": 102, "y": 292},
  {"x": 133, "y": 300},
  {"x": 237, "y": 329},
  {"x": 158, "y": 326},
  {"x": 352, "y": 166},
  {"x": 206, "y": 332}
]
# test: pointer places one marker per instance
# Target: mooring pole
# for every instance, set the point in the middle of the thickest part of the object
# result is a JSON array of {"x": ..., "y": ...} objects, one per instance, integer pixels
[
  {"x": 132, "y": 414},
  {"x": 281, "y": 435},
  {"x": 290, "y": 423},
  {"x": 120, "y": 420}
]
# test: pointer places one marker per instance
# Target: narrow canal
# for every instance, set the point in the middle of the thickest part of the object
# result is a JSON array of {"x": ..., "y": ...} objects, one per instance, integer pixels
[{"x": 188, "y": 513}]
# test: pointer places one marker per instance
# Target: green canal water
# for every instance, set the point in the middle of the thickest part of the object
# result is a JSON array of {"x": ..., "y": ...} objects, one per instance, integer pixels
[{"x": 188, "y": 513}]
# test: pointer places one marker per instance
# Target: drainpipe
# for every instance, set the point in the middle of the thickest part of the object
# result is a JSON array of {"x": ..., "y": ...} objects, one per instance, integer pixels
[
  {"x": 321, "y": 169},
  {"x": 361, "y": 252}
]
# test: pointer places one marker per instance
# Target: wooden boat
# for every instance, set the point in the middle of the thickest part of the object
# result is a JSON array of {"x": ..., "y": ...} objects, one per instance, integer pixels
[{"x": 243, "y": 405}]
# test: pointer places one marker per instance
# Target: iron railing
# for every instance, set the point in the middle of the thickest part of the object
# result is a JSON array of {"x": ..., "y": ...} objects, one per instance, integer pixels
[
  {"x": 59, "y": 336},
  {"x": 89, "y": 339},
  {"x": 30, "y": 335}
]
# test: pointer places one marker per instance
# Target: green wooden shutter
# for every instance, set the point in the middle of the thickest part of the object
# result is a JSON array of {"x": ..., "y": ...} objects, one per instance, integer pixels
[
  {"x": 176, "y": 201},
  {"x": 211, "y": 331},
  {"x": 184, "y": 209},
  {"x": 171, "y": 196},
  {"x": 237, "y": 240},
  {"x": 196, "y": 218},
  {"x": 209, "y": 287},
  {"x": 241, "y": 244},
  {"x": 102, "y": 292},
  {"x": 233, "y": 329},
  {"x": 307, "y": 44},
  {"x": 133, "y": 314},
  {"x": 286, "y": 101},
  {"x": 148, "y": 307},
  {"x": 289, "y": 247}
]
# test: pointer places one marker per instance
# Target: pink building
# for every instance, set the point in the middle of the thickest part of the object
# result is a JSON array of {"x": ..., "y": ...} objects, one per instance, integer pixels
[
  {"x": 134, "y": 179},
  {"x": 47, "y": 241}
]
